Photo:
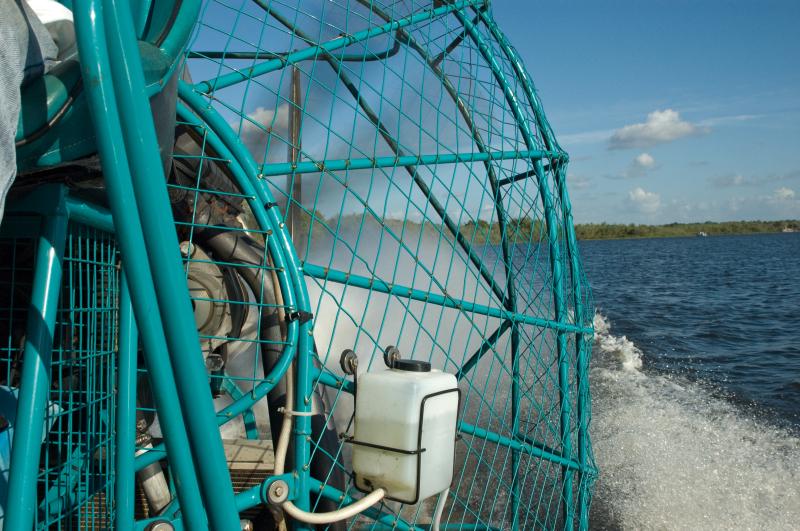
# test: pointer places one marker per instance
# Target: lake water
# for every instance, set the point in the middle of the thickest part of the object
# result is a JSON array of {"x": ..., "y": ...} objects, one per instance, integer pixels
[{"x": 696, "y": 382}]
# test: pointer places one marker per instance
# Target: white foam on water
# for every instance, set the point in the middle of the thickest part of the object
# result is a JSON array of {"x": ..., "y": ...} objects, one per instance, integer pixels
[{"x": 673, "y": 457}]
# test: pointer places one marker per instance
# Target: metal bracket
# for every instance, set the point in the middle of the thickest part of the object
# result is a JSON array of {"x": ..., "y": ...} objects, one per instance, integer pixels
[
  {"x": 301, "y": 316},
  {"x": 351, "y": 440},
  {"x": 277, "y": 489}
]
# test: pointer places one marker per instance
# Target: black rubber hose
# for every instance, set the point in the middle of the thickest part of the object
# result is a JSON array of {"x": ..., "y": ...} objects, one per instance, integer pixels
[{"x": 235, "y": 247}]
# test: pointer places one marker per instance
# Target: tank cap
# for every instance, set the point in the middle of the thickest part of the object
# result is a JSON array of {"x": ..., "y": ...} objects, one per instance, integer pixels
[{"x": 412, "y": 365}]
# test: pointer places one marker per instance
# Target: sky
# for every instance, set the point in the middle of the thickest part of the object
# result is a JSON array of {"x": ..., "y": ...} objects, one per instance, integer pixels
[{"x": 670, "y": 110}]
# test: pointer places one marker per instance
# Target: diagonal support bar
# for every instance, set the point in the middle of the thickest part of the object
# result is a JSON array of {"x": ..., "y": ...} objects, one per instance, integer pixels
[
  {"x": 376, "y": 284},
  {"x": 342, "y": 41},
  {"x": 486, "y": 345}
]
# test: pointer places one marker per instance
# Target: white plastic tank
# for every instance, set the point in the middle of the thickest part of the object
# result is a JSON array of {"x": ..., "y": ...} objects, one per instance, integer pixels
[{"x": 399, "y": 412}]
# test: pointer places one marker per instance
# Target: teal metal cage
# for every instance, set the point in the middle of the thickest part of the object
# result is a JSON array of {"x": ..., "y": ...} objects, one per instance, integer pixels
[{"x": 282, "y": 181}]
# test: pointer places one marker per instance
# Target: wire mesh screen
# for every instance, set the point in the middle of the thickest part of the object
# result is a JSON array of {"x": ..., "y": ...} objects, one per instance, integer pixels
[
  {"x": 76, "y": 474},
  {"x": 425, "y": 193}
]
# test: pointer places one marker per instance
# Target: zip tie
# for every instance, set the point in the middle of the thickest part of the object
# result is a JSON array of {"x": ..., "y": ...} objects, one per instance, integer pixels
[
  {"x": 301, "y": 316},
  {"x": 292, "y": 413}
]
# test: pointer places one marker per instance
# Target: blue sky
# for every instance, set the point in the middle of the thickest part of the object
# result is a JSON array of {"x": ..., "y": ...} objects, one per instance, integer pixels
[{"x": 670, "y": 110}]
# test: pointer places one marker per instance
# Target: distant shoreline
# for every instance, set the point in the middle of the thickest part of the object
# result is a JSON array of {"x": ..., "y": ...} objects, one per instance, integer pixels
[
  {"x": 609, "y": 231},
  {"x": 526, "y": 230}
]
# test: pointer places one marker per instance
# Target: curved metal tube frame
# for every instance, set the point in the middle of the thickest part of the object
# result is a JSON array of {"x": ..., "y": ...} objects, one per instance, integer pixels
[{"x": 148, "y": 244}]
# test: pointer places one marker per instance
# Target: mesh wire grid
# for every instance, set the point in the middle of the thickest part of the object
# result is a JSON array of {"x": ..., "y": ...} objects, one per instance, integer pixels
[
  {"x": 76, "y": 474},
  {"x": 426, "y": 196}
]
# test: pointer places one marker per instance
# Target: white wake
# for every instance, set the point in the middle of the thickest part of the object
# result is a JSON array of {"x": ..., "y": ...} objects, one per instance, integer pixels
[{"x": 673, "y": 457}]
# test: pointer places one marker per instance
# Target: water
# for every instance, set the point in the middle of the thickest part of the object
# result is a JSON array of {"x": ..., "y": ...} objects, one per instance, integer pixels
[{"x": 696, "y": 382}]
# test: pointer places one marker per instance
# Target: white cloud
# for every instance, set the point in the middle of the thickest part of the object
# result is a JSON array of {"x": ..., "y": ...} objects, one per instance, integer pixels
[
  {"x": 639, "y": 166},
  {"x": 644, "y": 201},
  {"x": 267, "y": 119},
  {"x": 260, "y": 123},
  {"x": 761, "y": 181},
  {"x": 784, "y": 194},
  {"x": 605, "y": 135},
  {"x": 660, "y": 127},
  {"x": 644, "y": 160}
]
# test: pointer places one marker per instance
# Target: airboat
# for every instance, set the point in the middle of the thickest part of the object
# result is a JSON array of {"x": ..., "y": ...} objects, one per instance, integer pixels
[{"x": 291, "y": 265}]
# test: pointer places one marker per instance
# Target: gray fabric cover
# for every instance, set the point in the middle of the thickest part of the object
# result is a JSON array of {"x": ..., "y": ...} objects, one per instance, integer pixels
[{"x": 26, "y": 51}]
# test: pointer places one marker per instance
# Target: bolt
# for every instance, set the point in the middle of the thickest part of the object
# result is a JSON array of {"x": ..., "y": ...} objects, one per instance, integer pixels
[{"x": 278, "y": 492}]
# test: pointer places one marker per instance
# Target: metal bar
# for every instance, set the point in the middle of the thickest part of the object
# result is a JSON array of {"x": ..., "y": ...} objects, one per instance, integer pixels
[
  {"x": 510, "y": 300},
  {"x": 302, "y": 423},
  {"x": 124, "y": 487},
  {"x": 572, "y": 251},
  {"x": 450, "y": 47},
  {"x": 326, "y": 378},
  {"x": 249, "y": 498},
  {"x": 91, "y": 40},
  {"x": 282, "y": 168},
  {"x": 486, "y": 344},
  {"x": 264, "y": 54},
  {"x": 342, "y": 41},
  {"x": 411, "y": 169},
  {"x": 34, "y": 384},
  {"x": 425, "y": 189},
  {"x": 285, "y": 260},
  {"x": 563, "y": 358},
  {"x": 88, "y": 214},
  {"x": 491, "y": 436},
  {"x": 527, "y": 84},
  {"x": 515, "y": 401},
  {"x": 172, "y": 293},
  {"x": 582, "y": 353},
  {"x": 376, "y": 284},
  {"x": 248, "y": 417},
  {"x": 538, "y": 444},
  {"x": 518, "y": 177},
  {"x": 555, "y": 253},
  {"x": 294, "y": 180},
  {"x": 382, "y": 56},
  {"x": 249, "y": 56}
]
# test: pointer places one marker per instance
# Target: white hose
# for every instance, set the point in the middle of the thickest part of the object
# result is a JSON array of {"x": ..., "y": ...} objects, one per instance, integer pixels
[
  {"x": 334, "y": 516},
  {"x": 280, "y": 461},
  {"x": 437, "y": 514}
]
